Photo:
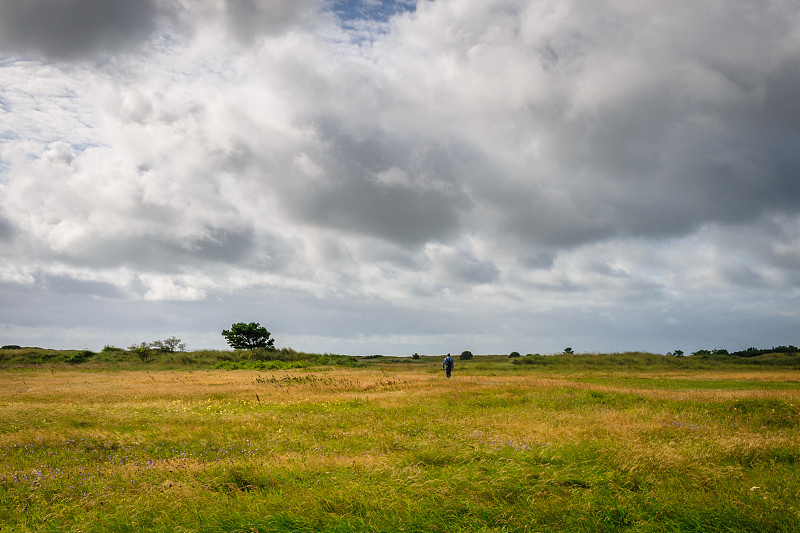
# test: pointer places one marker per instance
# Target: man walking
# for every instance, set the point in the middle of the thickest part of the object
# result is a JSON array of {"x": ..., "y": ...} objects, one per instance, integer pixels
[{"x": 447, "y": 364}]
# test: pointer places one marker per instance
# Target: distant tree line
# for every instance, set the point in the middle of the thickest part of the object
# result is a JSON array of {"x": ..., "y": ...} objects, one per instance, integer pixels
[{"x": 750, "y": 352}]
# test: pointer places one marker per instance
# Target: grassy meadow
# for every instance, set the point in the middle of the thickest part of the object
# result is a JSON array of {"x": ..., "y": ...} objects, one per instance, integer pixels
[{"x": 631, "y": 442}]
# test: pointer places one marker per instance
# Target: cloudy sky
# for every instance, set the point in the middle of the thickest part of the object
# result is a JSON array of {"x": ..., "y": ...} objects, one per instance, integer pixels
[{"x": 365, "y": 176}]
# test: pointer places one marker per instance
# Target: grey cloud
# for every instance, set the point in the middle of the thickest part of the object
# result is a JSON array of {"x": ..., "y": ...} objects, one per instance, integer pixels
[
  {"x": 300, "y": 313},
  {"x": 657, "y": 169},
  {"x": 164, "y": 253},
  {"x": 543, "y": 215},
  {"x": 7, "y": 230},
  {"x": 761, "y": 254},
  {"x": 381, "y": 251},
  {"x": 66, "y": 285},
  {"x": 57, "y": 302},
  {"x": 780, "y": 108},
  {"x": 402, "y": 216},
  {"x": 223, "y": 244},
  {"x": 353, "y": 198},
  {"x": 466, "y": 268},
  {"x": 251, "y": 18},
  {"x": 535, "y": 259},
  {"x": 33, "y": 304},
  {"x": 67, "y": 29},
  {"x": 743, "y": 276}
]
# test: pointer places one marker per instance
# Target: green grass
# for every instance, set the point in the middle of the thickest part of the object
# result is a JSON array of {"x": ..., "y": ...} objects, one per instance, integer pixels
[
  {"x": 393, "y": 446},
  {"x": 676, "y": 383},
  {"x": 650, "y": 361}
]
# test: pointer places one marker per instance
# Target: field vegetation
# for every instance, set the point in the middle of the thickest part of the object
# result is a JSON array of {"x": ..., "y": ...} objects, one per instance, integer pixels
[{"x": 211, "y": 441}]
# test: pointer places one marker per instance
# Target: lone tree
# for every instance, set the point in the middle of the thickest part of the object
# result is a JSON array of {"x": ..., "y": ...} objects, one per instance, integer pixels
[{"x": 243, "y": 336}]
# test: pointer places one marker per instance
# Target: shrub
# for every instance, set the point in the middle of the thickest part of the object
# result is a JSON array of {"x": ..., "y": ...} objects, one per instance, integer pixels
[
  {"x": 513, "y": 354},
  {"x": 142, "y": 351},
  {"x": 297, "y": 360},
  {"x": 271, "y": 354},
  {"x": 47, "y": 357},
  {"x": 79, "y": 357},
  {"x": 465, "y": 355},
  {"x": 536, "y": 359},
  {"x": 170, "y": 345},
  {"x": 336, "y": 359},
  {"x": 108, "y": 348},
  {"x": 261, "y": 365},
  {"x": 415, "y": 356}
]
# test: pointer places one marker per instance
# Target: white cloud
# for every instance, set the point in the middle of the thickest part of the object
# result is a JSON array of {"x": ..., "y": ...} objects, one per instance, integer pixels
[{"x": 160, "y": 288}]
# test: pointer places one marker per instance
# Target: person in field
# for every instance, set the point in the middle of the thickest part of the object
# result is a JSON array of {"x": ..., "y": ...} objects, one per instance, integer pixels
[{"x": 447, "y": 364}]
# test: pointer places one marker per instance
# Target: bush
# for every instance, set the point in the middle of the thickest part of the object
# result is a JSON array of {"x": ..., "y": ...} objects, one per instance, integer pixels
[
  {"x": 415, "y": 356},
  {"x": 465, "y": 355},
  {"x": 108, "y": 348},
  {"x": 271, "y": 354},
  {"x": 142, "y": 351},
  {"x": 335, "y": 359},
  {"x": 513, "y": 354},
  {"x": 291, "y": 359},
  {"x": 79, "y": 357},
  {"x": 47, "y": 357},
  {"x": 261, "y": 365},
  {"x": 536, "y": 359},
  {"x": 171, "y": 345}
]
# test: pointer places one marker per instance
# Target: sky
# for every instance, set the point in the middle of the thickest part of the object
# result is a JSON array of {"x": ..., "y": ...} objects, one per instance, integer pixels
[{"x": 391, "y": 177}]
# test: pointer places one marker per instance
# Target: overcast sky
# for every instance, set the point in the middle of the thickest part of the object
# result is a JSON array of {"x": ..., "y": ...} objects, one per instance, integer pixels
[{"x": 401, "y": 176}]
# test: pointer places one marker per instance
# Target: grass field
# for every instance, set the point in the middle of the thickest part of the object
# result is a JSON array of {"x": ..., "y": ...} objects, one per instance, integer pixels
[{"x": 392, "y": 445}]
